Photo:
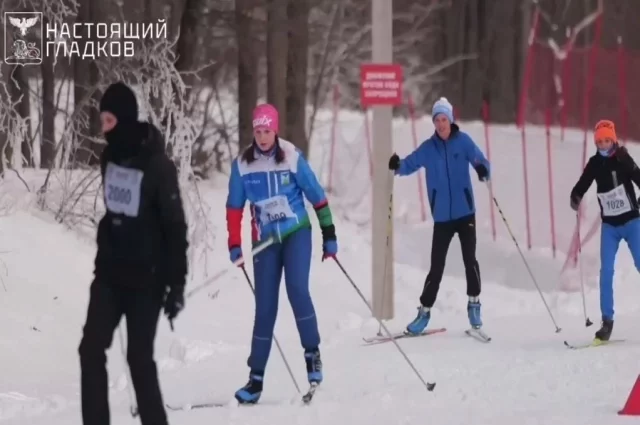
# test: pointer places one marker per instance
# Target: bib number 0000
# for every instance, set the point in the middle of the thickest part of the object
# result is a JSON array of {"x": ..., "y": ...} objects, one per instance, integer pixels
[
  {"x": 118, "y": 194},
  {"x": 122, "y": 189}
]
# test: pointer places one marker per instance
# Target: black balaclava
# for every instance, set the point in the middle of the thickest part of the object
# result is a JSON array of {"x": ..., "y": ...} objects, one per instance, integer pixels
[{"x": 123, "y": 139}]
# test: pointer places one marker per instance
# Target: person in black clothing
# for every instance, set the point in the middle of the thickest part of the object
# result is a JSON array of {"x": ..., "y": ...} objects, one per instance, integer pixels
[
  {"x": 446, "y": 156},
  {"x": 614, "y": 171},
  {"x": 142, "y": 253}
]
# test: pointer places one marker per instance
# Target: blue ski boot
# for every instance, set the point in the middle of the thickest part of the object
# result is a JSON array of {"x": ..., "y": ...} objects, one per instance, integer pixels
[
  {"x": 314, "y": 365},
  {"x": 250, "y": 393},
  {"x": 473, "y": 310},
  {"x": 420, "y": 322}
]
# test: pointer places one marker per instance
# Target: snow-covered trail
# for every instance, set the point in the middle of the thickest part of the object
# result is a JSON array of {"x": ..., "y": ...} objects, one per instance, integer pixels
[{"x": 525, "y": 374}]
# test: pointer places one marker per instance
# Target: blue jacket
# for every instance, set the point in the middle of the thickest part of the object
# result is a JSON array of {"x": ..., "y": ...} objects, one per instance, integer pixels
[
  {"x": 447, "y": 171},
  {"x": 275, "y": 194}
]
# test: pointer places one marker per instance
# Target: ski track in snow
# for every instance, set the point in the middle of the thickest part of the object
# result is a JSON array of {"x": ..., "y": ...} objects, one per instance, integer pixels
[{"x": 525, "y": 375}]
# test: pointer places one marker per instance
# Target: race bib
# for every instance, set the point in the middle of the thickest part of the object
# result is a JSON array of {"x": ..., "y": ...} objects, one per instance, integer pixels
[
  {"x": 614, "y": 202},
  {"x": 122, "y": 189},
  {"x": 274, "y": 209}
]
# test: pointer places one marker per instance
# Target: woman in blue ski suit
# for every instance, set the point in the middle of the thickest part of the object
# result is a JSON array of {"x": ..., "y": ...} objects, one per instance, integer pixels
[
  {"x": 446, "y": 156},
  {"x": 275, "y": 178},
  {"x": 614, "y": 171}
]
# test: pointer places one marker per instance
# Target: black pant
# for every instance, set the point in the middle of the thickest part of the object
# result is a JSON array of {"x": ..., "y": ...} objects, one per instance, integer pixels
[
  {"x": 107, "y": 305},
  {"x": 465, "y": 227}
]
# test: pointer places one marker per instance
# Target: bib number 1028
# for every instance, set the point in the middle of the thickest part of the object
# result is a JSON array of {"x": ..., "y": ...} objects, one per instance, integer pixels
[
  {"x": 615, "y": 204},
  {"x": 118, "y": 194}
]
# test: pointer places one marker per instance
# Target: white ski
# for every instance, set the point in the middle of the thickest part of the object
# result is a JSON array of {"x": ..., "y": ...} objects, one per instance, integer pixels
[{"x": 478, "y": 334}]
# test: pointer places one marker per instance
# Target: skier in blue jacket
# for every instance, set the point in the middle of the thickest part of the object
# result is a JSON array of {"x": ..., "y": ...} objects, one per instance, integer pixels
[
  {"x": 446, "y": 156},
  {"x": 275, "y": 178}
]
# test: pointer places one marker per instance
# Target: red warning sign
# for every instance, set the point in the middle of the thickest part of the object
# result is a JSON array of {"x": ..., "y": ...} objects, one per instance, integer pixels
[{"x": 380, "y": 84}]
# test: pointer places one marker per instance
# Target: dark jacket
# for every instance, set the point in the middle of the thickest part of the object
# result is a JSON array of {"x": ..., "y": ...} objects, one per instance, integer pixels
[
  {"x": 618, "y": 171},
  {"x": 446, "y": 166},
  {"x": 142, "y": 238}
]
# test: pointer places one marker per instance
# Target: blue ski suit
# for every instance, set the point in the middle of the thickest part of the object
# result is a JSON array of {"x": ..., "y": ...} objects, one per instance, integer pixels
[
  {"x": 276, "y": 192},
  {"x": 614, "y": 176}
]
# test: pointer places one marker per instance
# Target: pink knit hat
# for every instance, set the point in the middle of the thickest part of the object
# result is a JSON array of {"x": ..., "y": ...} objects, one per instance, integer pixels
[{"x": 265, "y": 116}]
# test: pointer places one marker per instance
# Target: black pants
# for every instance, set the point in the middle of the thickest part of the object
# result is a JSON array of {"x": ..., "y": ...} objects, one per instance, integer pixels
[
  {"x": 443, "y": 233},
  {"x": 142, "y": 309}
]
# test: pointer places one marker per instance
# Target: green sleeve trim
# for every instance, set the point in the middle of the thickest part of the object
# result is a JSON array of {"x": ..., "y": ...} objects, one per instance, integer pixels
[{"x": 324, "y": 216}]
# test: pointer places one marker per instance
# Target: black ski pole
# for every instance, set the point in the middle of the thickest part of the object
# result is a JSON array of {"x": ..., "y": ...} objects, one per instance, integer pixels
[
  {"x": 526, "y": 263},
  {"x": 428, "y": 385},
  {"x": 587, "y": 321},
  {"x": 286, "y": 363}
]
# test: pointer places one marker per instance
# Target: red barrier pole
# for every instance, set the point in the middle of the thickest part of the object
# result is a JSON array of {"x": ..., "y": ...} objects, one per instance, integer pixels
[
  {"x": 593, "y": 54},
  {"x": 550, "y": 172},
  {"x": 622, "y": 89},
  {"x": 412, "y": 114},
  {"x": 566, "y": 87},
  {"x": 521, "y": 117},
  {"x": 334, "y": 128},
  {"x": 367, "y": 133},
  {"x": 486, "y": 119},
  {"x": 527, "y": 70}
]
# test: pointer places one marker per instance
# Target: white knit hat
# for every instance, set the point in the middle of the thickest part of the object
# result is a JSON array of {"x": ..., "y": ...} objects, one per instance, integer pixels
[{"x": 442, "y": 106}]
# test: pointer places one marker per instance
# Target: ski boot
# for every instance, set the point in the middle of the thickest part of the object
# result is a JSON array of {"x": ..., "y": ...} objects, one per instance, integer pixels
[
  {"x": 604, "y": 333},
  {"x": 314, "y": 365},
  {"x": 251, "y": 392},
  {"x": 418, "y": 325},
  {"x": 473, "y": 311}
]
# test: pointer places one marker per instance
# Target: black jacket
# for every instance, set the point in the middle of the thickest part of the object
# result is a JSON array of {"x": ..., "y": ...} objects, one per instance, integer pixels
[
  {"x": 609, "y": 173},
  {"x": 141, "y": 243}
]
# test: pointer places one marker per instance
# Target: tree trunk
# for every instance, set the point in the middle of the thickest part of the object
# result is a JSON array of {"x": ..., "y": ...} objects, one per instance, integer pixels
[
  {"x": 247, "y": 72},
  {"x": 188, "y": 40},
  {"x": 24, "y": 110},
  {"x": 277, "y": 51},
  {"x": 298, "y": 35},
  {"x": 48, "y": 144},
  {"x": 85, "y": 94}
]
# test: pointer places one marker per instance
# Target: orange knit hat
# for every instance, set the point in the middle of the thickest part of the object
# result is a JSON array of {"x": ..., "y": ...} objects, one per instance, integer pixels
[{"x": 605, "y": 129}]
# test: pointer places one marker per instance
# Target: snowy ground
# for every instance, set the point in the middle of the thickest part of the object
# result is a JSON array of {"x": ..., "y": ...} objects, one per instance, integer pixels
[{"x": 524, "y": 375}]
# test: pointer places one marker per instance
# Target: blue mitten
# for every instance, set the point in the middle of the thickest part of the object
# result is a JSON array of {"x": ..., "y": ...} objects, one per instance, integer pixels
[
  {"x": 329, "y": 249},
  {"x": 235, "y": 254}
]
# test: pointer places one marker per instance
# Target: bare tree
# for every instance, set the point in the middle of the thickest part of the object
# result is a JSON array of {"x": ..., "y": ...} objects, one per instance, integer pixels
[
  {"x": 298, "y": 47},
  {"x": 277, "y": 57},
  {"x": 247, "y": 69}
]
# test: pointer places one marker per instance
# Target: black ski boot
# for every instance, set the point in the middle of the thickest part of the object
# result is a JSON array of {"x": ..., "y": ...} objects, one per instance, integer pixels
[
  {"x": 604, "y": 333},
  {"x": 314, "y": 365},
  {"x": 251, "y": 392}
]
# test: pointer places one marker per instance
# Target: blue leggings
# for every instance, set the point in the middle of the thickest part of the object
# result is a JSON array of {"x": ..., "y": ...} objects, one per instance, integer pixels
[
  {"x": 293, "y": 256},
  {"x": 610, "y": 238}
]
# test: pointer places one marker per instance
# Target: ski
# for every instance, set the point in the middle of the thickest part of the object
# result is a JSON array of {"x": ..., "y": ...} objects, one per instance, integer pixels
[
  {"x": 379, "y": 339},
  {"x": 196, "y": 406},
  {"x": 594, "y": 343},
  {"x": 308, "y": 397},
  {"x": 478, "y": 334}
]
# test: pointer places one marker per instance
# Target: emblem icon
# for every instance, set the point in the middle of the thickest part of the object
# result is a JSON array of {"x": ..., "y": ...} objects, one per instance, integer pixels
[{"x": 23, "y": 38}]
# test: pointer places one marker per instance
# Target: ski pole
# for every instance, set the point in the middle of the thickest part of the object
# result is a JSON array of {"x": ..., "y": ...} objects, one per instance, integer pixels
[
  {"x": 386, "y": 257},
  {"x": 526, "y": 263},
  {"x": 286, "y": 363},
  {"x": 428, "y": 385},
  {"x": 587, "y": 322},
  {"x": 256, "y": 250}
]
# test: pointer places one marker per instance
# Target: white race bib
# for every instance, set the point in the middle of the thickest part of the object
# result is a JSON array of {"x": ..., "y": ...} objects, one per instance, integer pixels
[
  {"x": 122, "y": 189},
  {"x": 614, "y": 202},
  {"x": 274, "y": 209}
]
